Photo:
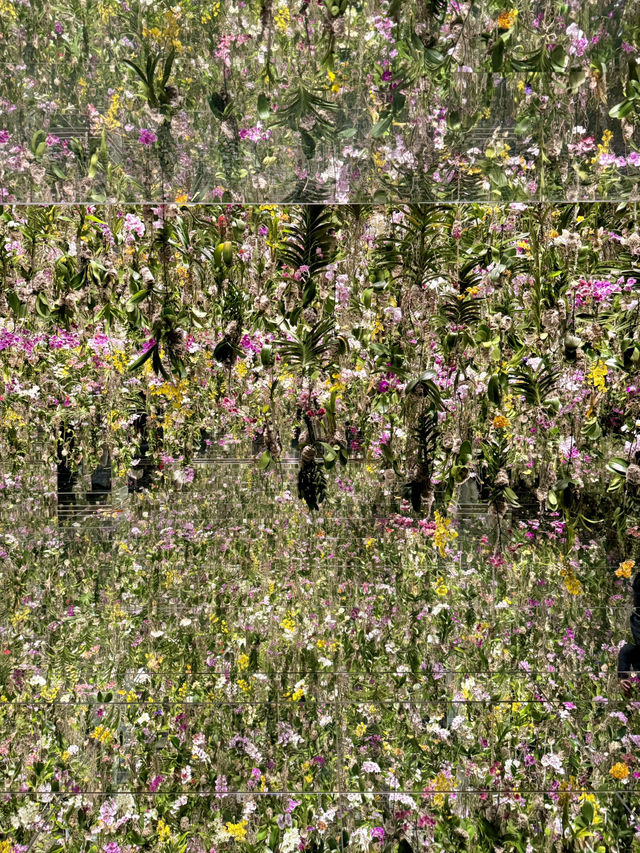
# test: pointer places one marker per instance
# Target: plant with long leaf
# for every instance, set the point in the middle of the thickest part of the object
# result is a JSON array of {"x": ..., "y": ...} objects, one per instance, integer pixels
[
  {"x": 495, "y": 471},
  {"x": 535, "y": 382},
  {"x": 309, "y": 243},
  {"x": 160, "y": 94}
]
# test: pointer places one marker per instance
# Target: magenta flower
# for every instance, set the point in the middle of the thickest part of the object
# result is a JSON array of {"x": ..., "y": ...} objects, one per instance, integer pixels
[{"x": 146, "y": 137}]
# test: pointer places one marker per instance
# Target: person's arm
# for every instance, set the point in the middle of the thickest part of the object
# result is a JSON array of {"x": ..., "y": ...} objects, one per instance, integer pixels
[{"x": 628, "y": 658}]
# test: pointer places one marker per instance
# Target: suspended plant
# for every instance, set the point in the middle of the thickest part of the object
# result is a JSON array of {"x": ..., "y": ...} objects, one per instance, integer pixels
[{"x": 308, "y": 247}]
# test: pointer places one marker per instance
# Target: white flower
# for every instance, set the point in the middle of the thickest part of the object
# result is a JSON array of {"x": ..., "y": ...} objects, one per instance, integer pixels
[
  {"x": 552, "y": 760},
  {"x": 456, "y": 723},
  {"x": 290, "y": 841},
  {"x": 185, "y": 775}
]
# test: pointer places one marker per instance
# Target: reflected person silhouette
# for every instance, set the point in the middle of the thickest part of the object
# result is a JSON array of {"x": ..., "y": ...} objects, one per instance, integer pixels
[{"x": 629, "y": 654}]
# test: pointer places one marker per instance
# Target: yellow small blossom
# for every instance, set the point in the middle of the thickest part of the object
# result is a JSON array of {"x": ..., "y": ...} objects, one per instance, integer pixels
[
  {"x": 507, "y": 19},
  {"x": 163, "y": 830},
  {"x": 237, "y": 830},
  {"x": 597, "y": 375},
  {"x": 102, "y": 734},
  {"x": 603, "y": 148},
  {"x": 443, "y": 534},
  {"x": 282, "y": 19},
  {"x": 360, "y": 729},
  {"x": 440, "y": 783},
  {"x": 243, "y": 662},
  {"x": 441, "y": 588},
  {"x": 619, "y": 771},
  {"x": 289, "y": 625},
  {"x": 572, "y": 584},
  {"x": 624, "y": 570},
  {"x": 500, "y": 422}
]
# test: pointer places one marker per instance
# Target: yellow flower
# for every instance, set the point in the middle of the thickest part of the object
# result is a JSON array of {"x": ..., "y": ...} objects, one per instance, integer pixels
[
  {"x": 624, "y": 571},
  {"x": 163, "y": 830},
  {"x": 282, "y": 18},
  {"x": 597, "y": 375},
  {"x": 102, "y": 734},
  {"x": 500, "y": 422},
  {"x": 443, "y": 534},
  {"x": 182, "y": 198},
  {"x": 243, "y": 662},
  {"x": 507, "y": 19},
  {"x": 361, "y": 729},
  {"x": 619, "y": 771},
  {"x": 572, "y": 584},
  {"x": 289, "y": 625},
  {"x": 441, "y": 588},
  {"x": 440, "y": 783},
  {"x": 237, "y": 830}
]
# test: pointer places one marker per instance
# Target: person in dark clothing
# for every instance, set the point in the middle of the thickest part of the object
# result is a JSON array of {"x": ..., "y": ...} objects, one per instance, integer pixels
[{"x": 629, "y": 654}]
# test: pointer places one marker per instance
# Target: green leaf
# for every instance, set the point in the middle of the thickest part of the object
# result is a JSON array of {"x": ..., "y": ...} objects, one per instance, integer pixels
[
  {"x": 623, "y": 109},
  {"x": 42, "y": 306},
  {"x": 587, "y": 812},
  {"x": 465, "y": 455},
  {"x": 265, "y": 460},
  {"x": 381, "y": 127},
  {"x": 558, "y": 59},
  {"x": 166, "y": 72},
  {"x": 308, "y": 144},
  {"x": 264, "y": 108},
  {"x": 267, "y": 355},
  {"x": 37, "y": 140},
  {"x": 494, "y": 392},
  {"x": 329, "y": 454},
  {"x": 137, "y": 298},
  {"x": 137, "y": 364},
  {"x": 138, "y": 70},
  {"x": 617, "y": 465}
]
